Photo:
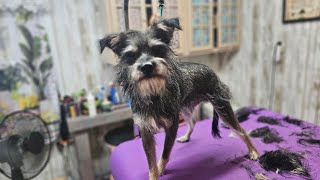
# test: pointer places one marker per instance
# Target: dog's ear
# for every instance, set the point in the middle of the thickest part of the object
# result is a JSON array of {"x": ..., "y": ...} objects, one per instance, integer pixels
[
  {"x": 164, "y": 29},
  {"x": 116, "y": 42}
]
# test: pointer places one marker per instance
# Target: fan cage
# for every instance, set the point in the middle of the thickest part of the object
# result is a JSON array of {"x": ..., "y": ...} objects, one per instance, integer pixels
[{"x": 44, "y": 127}]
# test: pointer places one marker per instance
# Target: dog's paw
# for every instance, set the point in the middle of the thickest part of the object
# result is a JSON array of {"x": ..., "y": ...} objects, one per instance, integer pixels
[
  {"x": 161, "y": 169},
  {"x": 183, "y": 139},
  {"x": 153, "y": 176},
  {"x": 253, "y": 155},
  {"x": 161, "y": 172},
  {"x": 162, "y": 166}
]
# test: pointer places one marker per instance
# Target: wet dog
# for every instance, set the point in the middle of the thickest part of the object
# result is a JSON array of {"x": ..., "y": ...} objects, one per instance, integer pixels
[{"x": 161, "y": 87}]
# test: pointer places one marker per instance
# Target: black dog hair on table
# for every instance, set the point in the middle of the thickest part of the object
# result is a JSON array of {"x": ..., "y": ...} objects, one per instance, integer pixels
[
  {"x": 242, "y": 114},
  {"x": 283, "y": 161},
  {"x": 289, "y": 120},
  {"x": 309, "y": 142},
  {"x": 303, "y": 133},
  {"x": 268, "y": 135},
  {"x": 268, "y": 120}
]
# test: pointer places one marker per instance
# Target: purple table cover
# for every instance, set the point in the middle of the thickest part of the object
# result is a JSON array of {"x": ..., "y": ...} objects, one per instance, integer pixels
[{"x": 205, "y": 157}]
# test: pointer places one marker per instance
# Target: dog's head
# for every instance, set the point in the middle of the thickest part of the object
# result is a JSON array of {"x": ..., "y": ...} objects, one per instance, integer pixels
[{"x": 145, "y": 57}]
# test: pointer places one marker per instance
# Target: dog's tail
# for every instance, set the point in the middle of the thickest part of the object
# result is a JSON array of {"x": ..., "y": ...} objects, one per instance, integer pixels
[{"x": 215, "y": 125}]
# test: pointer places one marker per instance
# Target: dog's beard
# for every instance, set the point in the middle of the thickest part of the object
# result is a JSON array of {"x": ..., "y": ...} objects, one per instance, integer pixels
[
  {"x": 151, "y": 86},
  {"x": 155, "y": 84}
]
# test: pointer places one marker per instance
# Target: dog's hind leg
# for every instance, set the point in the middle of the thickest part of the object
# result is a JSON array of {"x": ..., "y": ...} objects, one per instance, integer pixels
[
  {"x": 226, "y": 113},
  {"x": 187, "y": 115},
  {"x": 171, "y": 133}
]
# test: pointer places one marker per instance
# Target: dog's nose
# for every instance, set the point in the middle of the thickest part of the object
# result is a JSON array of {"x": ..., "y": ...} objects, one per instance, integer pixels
[{"x": 147, "y": 68}]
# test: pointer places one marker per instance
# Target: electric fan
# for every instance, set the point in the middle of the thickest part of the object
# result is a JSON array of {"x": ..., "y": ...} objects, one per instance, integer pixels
[{"x": 24, "y": 145}]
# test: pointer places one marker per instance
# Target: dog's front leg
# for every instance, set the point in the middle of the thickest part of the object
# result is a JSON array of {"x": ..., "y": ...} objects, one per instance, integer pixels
[
  {"x": 150, "y": 150},
  {"x": 171, "y": 133}
]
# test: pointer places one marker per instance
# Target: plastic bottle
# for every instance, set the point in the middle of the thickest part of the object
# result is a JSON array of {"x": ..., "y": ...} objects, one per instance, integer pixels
[
  {"x": 91, "y": 105},
  {"x": 113, "y": 93}
]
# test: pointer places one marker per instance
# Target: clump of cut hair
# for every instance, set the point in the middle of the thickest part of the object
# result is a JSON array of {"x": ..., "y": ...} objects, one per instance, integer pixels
[
  {"x": 283, "y": 161},
  {"x": 309, "y": 142},
  {"x": 268, "y": 135},
  {"x": 303, "y": 133},
  {"x": 293, "y": 121},
  {"x": 268, "y": 120},
  {"x": 242, "y": 114}
]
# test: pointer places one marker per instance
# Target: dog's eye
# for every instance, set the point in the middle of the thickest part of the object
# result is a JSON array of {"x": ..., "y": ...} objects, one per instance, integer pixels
[
  {"x": 129, "y": 57},
  {"x": 159, "y": 50}
]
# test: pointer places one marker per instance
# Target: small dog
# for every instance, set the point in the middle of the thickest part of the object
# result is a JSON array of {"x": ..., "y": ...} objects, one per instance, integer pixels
[{"x": 161, "y": 87}]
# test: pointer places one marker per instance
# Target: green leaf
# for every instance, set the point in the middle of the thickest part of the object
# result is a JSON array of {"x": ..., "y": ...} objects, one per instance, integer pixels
[
  {"x": 36, "y": 81},
  {"x": 45, "y": 79},
  {"x": 27, "y": 35},
  {"x": 25, "y": 69},
  {"x": 19, "y": 17},
  {"x": 24, "y": 15},
  {"x": 26, "y": 51},
  {"x": 29, "y": 65},
  {"x": 10, "y": 77},
  {"x": 36, "y": 49},
  {"x": 46, "y": 65}
]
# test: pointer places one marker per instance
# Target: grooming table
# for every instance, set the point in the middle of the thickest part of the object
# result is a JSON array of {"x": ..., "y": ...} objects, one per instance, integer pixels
[{"x": 205, "y": 157}]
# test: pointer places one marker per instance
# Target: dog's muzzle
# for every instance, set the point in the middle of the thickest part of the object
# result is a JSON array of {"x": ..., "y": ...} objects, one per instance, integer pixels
[{"x": 147, "y": 68}]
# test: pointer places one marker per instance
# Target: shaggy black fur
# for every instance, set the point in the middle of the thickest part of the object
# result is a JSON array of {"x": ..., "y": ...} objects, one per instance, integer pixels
[
  {"x": 242, "y": 114},
  {"x": 268, "y": 135},
  {"x": 303, "y": 133},
  {"x": 309, "y": 142},
  {"x": 268, "y": 120},
  {"x": 284, "y": 161},
  {"x": 296, "y": 122},
  {"x": 215, "y": 122}
]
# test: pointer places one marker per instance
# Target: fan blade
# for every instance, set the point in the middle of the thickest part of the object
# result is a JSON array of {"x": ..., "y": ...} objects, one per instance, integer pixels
[
  {"x": 10, "y": 151},
  {"x": 34, "y": 143}
]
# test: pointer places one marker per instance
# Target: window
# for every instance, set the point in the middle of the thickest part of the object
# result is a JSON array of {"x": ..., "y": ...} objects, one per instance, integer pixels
[
  {"x": 201, "y": 27},
  {"x": 214, "y": 25},
  {"x": 209, "y": 26},
  {"x": 228, "y": 23}
]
